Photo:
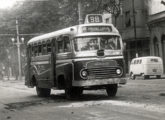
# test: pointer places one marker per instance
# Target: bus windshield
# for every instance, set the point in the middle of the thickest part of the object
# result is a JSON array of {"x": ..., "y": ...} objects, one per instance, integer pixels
[{"x": 89, "y": 43}]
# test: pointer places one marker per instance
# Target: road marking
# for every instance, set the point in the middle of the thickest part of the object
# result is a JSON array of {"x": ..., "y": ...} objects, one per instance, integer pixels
[{"x": 148, "y": 107}]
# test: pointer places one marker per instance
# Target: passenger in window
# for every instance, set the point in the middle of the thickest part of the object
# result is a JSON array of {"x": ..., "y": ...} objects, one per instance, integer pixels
[
  {"x": 60, "y": 49},
  {"x": 66, "y": 44},
  {"x": 67, "y": 47}
]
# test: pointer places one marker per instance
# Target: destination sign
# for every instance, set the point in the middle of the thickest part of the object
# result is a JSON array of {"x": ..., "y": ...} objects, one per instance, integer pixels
[
  {"x": 96, "y": 29},
  {"x": 94, "y": 18}
]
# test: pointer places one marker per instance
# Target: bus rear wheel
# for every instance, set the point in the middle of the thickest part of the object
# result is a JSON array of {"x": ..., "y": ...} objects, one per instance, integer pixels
[
  {"x": 158, "y": 76},
  {"x": 146, "y": 76},
  {"x": 112, "y": 90},
  {"x": 74, "y": 92},
  {"x": 43, "y": 92}
]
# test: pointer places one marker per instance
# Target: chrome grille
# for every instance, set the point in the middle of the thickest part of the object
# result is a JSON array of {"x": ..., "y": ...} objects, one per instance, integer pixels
[{"x": 102, "y": 72}]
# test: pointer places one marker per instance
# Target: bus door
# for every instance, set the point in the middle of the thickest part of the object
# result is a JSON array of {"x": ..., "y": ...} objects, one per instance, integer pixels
[{"x": 53, "y": 63}]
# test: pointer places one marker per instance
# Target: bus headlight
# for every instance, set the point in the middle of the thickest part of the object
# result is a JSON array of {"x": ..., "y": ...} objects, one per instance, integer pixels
[
  {"x": 84, "y": 73},
  {"x": 118, "y": 71}
]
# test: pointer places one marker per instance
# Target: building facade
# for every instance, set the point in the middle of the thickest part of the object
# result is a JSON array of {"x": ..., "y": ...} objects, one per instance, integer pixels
[
  {"x": 156, "y": 24},
  {"x": 134, "y": 30},
  {"x": 142, "y": 26}
]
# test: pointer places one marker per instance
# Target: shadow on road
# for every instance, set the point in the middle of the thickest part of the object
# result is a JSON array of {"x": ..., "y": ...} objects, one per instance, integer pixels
[{"x": 56, "y": 99}]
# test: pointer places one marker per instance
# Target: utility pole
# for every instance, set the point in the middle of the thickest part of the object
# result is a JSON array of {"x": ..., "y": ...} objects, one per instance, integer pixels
[
  {"x": 134, "y": 25},
  {"x": 18, "y": 50},
  {"x": 80, "y": 12}
]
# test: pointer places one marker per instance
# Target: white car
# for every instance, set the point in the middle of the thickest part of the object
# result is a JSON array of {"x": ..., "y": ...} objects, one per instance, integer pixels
[{"x": 146, "y": 67}]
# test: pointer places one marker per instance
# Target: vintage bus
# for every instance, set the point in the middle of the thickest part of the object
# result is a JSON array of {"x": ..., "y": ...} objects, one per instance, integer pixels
[{"x": 87, "y": 56}]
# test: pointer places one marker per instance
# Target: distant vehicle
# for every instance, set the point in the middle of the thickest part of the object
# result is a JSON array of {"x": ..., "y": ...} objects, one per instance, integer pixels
[
  {"x": 146, "y": 67},
  {"x": 86, "y": 56}
]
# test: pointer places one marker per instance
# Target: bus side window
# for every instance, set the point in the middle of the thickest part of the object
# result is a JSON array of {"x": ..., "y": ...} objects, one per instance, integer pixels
[
  {"x": 35, "y": 50},
  {"x": 140, "y": 62},
  {"x": 60, "y": 46},
  {"x": 32, "y": 50},
  {"x": 44, "y": 49},
  {"x": 67, "y": 47},
  {"x": 39, "y": 49},
  {"x": 49, "y": 47},
  {"x": 135, "y": 62}
]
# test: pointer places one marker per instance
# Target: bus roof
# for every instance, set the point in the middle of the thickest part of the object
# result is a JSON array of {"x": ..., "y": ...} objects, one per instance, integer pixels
[{"x": 73, "y": 30}]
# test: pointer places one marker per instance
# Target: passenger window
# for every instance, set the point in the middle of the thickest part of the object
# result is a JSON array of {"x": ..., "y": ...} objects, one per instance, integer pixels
[
  {"x": 39, "y": 49},
  {"x": 60, "y": 46},
  {"x": 140, "y": 62},
  {"x": 67, "y": 47},
  {"x": 35, "y": 50},
  {"x": 32, "y": 51},
  {"x": 49, "y": 47},
  {"x": 44, "y": 49},
  {"x": 135, "y": 62},
  {"x": 154, "y": 60}
]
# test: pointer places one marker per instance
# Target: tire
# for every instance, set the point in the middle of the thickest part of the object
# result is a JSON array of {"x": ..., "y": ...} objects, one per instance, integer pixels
[
  {"x": 74, "y": 92},
  {"x": 43, "y": 92},
  {"x": 112, "y": 90},
  {"x": 158, "y": 76},
  {"x": 146, "y": 76}
]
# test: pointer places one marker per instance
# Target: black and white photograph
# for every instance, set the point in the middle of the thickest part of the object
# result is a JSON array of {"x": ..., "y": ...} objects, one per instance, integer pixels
[{"x": 82, "y": 59}]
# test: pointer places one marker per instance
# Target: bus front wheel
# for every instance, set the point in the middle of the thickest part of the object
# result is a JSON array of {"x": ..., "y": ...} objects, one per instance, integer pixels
[
  {"x": 112, "y": 90},
  {"x": 43, "y": 92}
]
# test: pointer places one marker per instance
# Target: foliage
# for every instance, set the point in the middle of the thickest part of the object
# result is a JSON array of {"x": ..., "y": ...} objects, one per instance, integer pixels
[{"x": 41, "y": 17}]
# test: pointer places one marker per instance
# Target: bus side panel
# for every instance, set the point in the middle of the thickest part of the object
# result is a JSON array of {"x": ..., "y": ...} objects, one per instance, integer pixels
[
  {"x": 64, "y": 74},
  {"x": 41, "y": 69}
]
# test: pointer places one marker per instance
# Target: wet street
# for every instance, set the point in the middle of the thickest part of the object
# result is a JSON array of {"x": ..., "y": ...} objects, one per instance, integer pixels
[{"x": 137, "y": 100}]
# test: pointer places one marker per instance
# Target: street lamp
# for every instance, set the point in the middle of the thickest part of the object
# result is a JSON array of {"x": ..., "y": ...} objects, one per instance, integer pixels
[{"x": 18, "y": 43}]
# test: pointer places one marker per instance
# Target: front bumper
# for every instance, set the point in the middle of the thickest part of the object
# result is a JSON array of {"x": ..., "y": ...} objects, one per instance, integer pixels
[{"x": 86, "y": 83}]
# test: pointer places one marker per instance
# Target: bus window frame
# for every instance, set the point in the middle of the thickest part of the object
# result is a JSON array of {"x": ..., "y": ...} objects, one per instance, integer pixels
[
  {"x": 49, "y": 48},
  {"x": 61, "y": 39},
  {"x": 35, "y": 49},
  {"x": 39, "y": 49},
  {"x": 44, "y": 48}
]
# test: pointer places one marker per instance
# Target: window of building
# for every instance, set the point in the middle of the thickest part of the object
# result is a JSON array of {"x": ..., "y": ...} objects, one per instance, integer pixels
[
  {"x": 127, "y": 19},
  {"x": 156, "y": 46}
]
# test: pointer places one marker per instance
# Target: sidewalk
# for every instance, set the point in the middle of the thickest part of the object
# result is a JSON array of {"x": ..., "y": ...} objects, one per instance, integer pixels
[{"x": 14, "y": 83}]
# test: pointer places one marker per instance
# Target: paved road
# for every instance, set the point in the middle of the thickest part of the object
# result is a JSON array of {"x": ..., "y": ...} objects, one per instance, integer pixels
[{"x": 138, "y": 100}]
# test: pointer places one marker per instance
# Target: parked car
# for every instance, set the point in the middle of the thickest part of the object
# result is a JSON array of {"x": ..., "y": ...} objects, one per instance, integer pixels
[{"x": 146, "y": 67}]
